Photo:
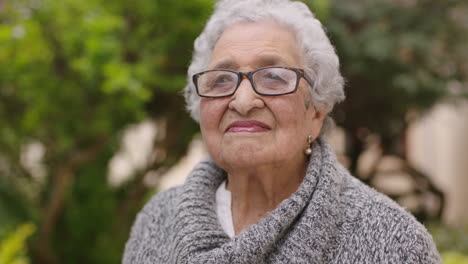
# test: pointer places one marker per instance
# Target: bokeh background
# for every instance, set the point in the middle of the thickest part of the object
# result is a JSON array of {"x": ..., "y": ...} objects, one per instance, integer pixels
[{"x": 92, "y": 121}]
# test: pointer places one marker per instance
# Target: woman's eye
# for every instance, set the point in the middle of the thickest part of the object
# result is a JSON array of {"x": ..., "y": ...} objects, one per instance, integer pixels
[
  {"x": 273, "y": 76},
  {"x": 223, "y": 79},
  {"x": 222, "y": 82}
]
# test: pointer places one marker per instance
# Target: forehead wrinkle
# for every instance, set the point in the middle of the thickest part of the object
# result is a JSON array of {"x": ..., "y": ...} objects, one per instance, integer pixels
[
  {"x": 261, "y": 61},
  {"x": 271, "y": 60},
  {"x": 225, "y": 64}
]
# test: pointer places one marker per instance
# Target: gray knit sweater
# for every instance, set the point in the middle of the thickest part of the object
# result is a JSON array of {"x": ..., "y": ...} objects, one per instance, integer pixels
[{"x": 331, "y": 218}]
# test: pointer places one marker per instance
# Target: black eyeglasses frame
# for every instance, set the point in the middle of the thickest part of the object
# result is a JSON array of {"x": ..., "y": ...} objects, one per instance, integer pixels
[{"x": 241, "y": 75}]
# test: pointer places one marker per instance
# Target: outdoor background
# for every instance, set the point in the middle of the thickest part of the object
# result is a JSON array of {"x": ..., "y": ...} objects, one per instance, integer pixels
[{"x": 92, "y": 117}]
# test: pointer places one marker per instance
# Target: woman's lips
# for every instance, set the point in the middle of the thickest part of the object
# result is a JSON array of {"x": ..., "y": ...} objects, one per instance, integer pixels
[{"x": 250, "y": 126}]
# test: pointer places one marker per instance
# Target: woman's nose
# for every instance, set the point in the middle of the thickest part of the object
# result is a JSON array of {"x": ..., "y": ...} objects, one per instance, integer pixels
[{"x": 245, "y": 98}]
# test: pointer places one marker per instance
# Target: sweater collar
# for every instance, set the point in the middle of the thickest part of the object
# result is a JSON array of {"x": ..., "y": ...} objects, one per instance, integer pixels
[{"x": 311, "y": 212}]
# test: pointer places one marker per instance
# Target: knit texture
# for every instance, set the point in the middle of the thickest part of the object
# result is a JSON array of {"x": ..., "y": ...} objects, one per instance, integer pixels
[{"x": 331, "y": 218}]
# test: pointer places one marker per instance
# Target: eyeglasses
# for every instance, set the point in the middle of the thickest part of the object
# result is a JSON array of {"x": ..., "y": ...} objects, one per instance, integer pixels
[{"x": 273, "y": 80}]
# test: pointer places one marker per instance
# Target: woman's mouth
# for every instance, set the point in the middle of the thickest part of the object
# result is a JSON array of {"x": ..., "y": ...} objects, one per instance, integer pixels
[{"x": 250, "y": 126}]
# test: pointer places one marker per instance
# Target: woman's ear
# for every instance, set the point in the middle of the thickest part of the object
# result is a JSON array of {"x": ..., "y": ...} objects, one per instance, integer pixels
[{"x": 316, "y": 120}]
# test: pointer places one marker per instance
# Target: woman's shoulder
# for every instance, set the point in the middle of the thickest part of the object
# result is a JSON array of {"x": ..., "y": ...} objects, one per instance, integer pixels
[
  {"x": 359, "y": 197},
  {"x": 162, "y": 201},
  {"x": 365, "y": 204},
  {"x": 158, "y": 210},
  {"x": 151, "y": 229},
  {"x": 380, "y": 223}
]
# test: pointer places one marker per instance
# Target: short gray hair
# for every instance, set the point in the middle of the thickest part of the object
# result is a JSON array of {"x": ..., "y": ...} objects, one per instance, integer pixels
[{"x": 321, "y": 61}]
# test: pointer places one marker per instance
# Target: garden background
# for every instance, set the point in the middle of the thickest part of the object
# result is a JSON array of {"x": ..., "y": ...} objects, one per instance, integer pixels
[{"x": 76, "y": 76}]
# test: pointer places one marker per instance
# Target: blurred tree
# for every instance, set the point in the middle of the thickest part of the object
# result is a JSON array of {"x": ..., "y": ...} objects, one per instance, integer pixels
[
  {"x": 397, "y": 57},
  {"x": 12, "y": 249},
  {"x": 73, "y": 75}
]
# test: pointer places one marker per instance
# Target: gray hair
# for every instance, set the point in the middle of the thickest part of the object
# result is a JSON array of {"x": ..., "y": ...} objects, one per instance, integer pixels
[{"x": 321, "y": 61}]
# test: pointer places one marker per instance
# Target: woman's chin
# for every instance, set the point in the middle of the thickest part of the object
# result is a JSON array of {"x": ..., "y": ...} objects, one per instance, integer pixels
[{"x": 247, "y": 157}]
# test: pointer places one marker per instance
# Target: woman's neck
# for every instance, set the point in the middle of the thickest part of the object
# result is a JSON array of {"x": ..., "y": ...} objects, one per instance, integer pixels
[{"x": 257, "y": 192}]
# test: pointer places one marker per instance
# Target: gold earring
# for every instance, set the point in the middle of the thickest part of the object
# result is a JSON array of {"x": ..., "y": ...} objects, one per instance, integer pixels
[{"x": 308, "y": 150}]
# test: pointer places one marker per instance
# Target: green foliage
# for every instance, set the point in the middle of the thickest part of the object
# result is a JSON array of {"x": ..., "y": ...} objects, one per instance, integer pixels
[
  {"x": 396, "y": 57},
  {"x": 90, "y": 219},
  {"x": 321, "y": 8},
  {"x": 13, "y": 248},
  {"x": 13, "y": 208},
  {"x": 450, "y": 238},
  {"x": 74, "y": 74},
  {"x": 452, "y": 242},
  {"x": 454, "y": 258}
]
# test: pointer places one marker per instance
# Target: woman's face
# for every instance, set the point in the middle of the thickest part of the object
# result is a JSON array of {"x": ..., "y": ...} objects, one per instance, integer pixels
[{"x": 247, "y": 130}]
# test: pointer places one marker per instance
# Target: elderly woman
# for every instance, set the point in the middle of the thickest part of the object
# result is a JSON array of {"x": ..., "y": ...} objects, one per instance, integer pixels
[{"x": 263, "y": 78}]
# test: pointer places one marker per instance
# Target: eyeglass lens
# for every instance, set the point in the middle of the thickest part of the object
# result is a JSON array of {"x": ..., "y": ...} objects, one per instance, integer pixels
[{"x": 269, "y": 81}]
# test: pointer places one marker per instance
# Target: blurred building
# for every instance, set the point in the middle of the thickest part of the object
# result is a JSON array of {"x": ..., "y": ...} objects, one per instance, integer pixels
[{"x": 438, "y": 145}]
